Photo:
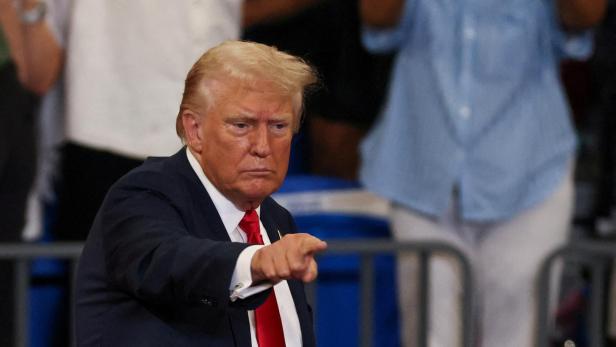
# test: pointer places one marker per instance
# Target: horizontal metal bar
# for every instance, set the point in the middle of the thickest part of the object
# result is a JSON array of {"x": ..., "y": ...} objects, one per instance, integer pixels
[
  {"x": 385, "y": 245},
  {"x": 356, "y": 246},
  {"x": 360, "y": 246},
  {"x": 35, "y": 250}
]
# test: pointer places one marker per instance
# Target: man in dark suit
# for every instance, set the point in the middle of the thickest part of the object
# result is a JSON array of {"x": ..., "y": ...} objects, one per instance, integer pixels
[{"x": 169, "y": 260}]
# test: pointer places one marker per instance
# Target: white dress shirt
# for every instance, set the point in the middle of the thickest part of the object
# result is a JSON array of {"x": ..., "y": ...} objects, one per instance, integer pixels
[{"x": 240, "y": 286}]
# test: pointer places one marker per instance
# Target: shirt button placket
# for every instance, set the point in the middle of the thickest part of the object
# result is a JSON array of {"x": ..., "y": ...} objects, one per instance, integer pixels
[{"x": 465, "y": 112}]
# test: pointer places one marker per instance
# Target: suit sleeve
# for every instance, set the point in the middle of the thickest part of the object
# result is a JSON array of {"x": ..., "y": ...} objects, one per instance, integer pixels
[{"x": 150, "y": 253}]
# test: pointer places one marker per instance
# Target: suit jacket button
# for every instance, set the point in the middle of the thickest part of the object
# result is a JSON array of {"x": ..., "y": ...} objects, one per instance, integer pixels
[{"x": 208, "y": 301}]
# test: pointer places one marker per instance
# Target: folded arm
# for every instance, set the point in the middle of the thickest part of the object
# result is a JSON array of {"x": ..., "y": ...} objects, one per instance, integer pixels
[
  {"x": 381, "y": 13},
  {"x": 581, "y": 14},
  {"x": 34, "y": 50},
  {"x": 259, "y": 11}
]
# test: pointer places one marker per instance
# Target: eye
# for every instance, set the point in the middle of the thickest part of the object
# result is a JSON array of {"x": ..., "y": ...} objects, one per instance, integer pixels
[
  {"x": 240, "y": 125},
  {"x": 279, "y": 126}
]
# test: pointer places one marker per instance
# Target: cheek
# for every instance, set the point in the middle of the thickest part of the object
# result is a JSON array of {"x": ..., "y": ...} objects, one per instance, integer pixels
[
  {"x": 229, "y": 148},
  {"x": 282, "y": 150},
  {"x": 282, "y": 161},
  {"x": 224, "y": 156}
]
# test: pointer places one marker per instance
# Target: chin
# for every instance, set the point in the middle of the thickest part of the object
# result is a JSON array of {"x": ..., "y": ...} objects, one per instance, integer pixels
[
  {"x": 257, "y": 195},
  {"x": 260, "y": 191}
]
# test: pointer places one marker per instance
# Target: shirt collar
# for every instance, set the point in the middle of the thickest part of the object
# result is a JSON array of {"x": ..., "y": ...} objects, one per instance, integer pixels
[{"x": 230, "y": 215}]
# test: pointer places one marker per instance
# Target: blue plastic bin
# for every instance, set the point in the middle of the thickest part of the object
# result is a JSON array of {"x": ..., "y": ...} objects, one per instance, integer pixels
[{"x": 337, "y": 290}]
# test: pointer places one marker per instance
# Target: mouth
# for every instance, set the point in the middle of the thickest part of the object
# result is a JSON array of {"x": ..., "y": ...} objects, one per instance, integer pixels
[{"x": 258, "y": 172}]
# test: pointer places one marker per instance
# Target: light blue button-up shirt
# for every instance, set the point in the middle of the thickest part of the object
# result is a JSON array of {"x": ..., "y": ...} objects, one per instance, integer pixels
[{"x": 475, "y": 102}]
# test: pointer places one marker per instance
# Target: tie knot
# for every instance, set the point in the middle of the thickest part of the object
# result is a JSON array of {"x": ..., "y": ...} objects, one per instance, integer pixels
[{"x": 250, "y": 225}]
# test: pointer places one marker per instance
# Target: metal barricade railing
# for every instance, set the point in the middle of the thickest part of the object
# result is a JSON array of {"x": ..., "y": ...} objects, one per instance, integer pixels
[
  {"x": 370, "y": 248},
  {"x": 24, "y": 254},
  {"x": 594, "y": 255}
]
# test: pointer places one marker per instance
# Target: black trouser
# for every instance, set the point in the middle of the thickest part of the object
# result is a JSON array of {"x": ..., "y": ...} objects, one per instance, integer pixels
[
  {"x": 17, "y": 169},
  {"x": 86, "y": 176},
  {"x": 17, "y": 152}
]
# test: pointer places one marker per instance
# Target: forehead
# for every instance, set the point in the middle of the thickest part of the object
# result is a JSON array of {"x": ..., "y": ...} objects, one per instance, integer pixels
[{"x": 260, "y": 97}]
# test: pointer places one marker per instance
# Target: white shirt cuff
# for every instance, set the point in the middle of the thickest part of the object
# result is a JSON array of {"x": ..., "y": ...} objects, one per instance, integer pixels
[{"x": 241, "y": 280}]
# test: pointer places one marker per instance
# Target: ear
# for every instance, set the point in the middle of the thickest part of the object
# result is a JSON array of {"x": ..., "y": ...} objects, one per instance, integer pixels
[{"x": 192, "y": 123}]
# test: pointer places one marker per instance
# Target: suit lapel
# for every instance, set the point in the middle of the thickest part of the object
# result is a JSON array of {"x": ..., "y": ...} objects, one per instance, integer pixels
[
  {"x": 272, "y": 229},
  {"x": 208, "y": 222}
]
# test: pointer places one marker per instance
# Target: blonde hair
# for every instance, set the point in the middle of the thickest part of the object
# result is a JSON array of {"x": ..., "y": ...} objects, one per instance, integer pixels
[{"x": 247, "y": 63}]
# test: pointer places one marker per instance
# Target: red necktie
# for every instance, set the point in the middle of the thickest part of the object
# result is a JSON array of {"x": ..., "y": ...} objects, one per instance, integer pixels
[{"x": 267, "y": 317}]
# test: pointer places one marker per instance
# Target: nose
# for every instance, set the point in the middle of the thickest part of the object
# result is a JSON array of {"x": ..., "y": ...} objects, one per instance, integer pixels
[{"x": 261, "y": 142}]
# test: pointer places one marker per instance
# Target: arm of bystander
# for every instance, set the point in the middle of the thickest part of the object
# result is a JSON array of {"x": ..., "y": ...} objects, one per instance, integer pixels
[{"x": 581, "y": 14}]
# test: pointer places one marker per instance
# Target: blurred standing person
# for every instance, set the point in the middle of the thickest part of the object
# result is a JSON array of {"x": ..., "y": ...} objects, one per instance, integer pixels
[
  {"x": 125, "y": 69},
  {"x": 30, "y": 61},
  {"x": 326, "y": 33},
  {"x": 475, "y": 148},
  {"x": 49, "y": 125}
]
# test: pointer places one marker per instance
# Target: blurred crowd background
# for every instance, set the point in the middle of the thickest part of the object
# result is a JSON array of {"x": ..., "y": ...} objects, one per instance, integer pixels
[{"x": 89, "y": 88}]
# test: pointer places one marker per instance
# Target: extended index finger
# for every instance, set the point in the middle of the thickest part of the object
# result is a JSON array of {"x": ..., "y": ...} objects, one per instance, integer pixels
[{"x": 311, "y": 244}]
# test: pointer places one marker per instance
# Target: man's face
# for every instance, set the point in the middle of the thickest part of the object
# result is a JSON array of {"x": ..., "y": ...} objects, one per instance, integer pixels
[{"x": 247, "y": 137}]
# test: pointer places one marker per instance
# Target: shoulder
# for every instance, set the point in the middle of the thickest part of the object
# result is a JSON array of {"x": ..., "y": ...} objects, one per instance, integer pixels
[
  {"x": 168, "y": 176},
  {"x": 161, "y": 190}
]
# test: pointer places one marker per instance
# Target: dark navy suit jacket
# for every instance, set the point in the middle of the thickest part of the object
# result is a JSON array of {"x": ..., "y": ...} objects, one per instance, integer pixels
[{"x": 157, "y": 265}]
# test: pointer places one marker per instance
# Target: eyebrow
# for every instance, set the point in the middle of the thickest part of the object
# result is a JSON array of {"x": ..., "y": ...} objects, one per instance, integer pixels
[{"x": 247, "y": 116}]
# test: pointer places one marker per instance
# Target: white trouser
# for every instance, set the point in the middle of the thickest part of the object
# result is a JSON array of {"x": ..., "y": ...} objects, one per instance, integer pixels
[{"x": 505, "y": 257}]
